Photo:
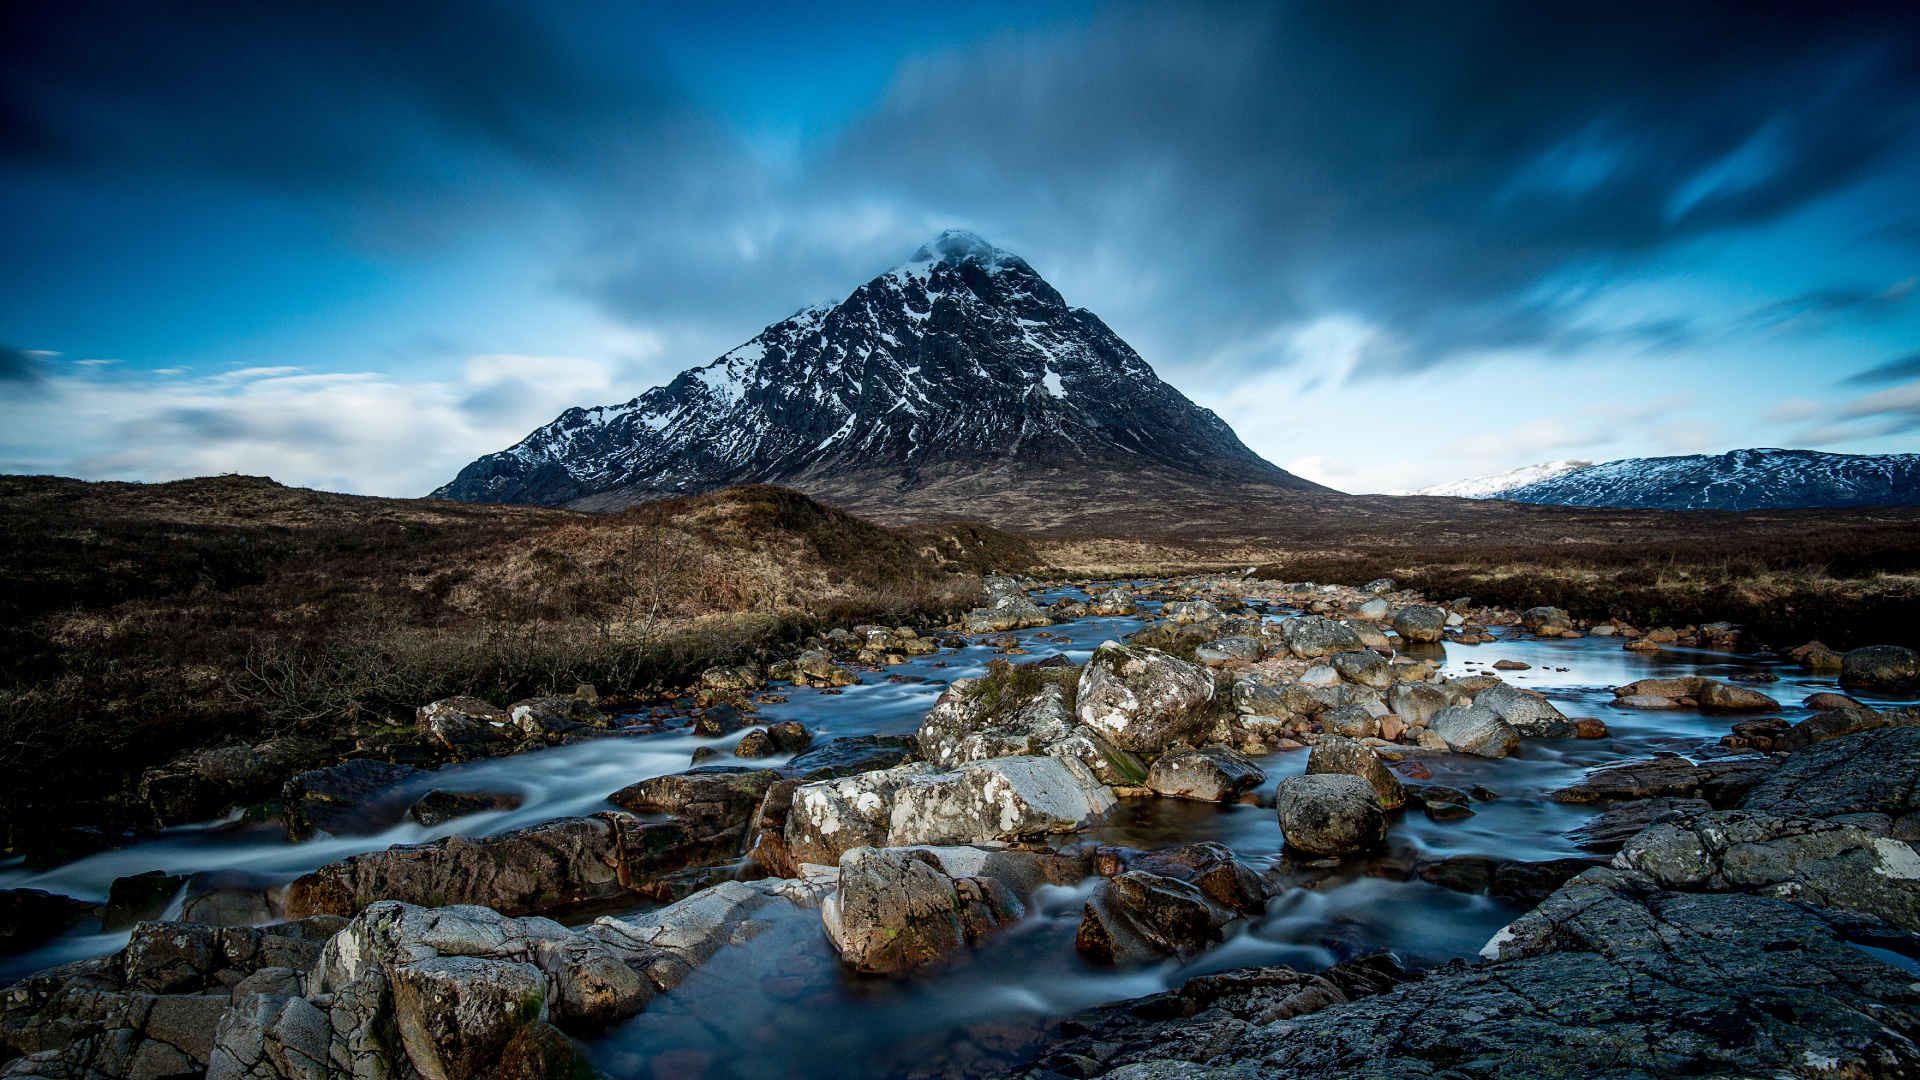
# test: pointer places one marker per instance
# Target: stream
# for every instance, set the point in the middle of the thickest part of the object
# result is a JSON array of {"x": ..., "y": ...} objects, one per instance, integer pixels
[{"x": 781, "y": 1006}]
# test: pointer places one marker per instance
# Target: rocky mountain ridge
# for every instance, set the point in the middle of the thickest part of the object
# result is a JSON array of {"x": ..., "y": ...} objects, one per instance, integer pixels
[
  {"x": 1758, "y": 479},
  {"x": 962, "y": 363}
]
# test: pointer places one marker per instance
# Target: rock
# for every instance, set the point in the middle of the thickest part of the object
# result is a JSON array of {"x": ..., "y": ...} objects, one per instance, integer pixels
[
  {"x": 744, "y": 677},
  {"x": 462, "y": 722},
  {"x": 1793, "y": 858},
  {"x": 851, "y": 755},
  {"x": 1605, "y": 833},
  {"x": 1473, "y": 729},
  {"x": 1878, "y": 666},
  {"x": 1536, "y": 619},
  {"x": 1365, "y": 667},
  {"x": 1439, "y": 802},
  {"x": 1110, "y": 764},
  {"x": 707, "y": 800},
  {"x": 720, "y": 720},
  {"x": 437, "y": 807},
  {"x": 820, "y": 670},
  {"x": 552, "y": 716},
  {"x": 893, "y": 912},
  {"x": 360, "y": 796},
  {"x": 1370, "y": 635},
  {"x": 229, "y": 898},
  {"x": 831, "y": 817},
  {"x": 964, "y": 725},
  {"x": 1142, "y": 700},
  {"x": 1726, "y": 697},
  {"x": 1416, "y": 703},
  {"x": 1003, "y": 799},
  {"x": 457, "y": 1013},
  {"x": 1380, "y": 586},
  {"x": 666, "y": 946},
  {"x": 1020, "y": 871},
  {"x": 1258, "y": 695},
  {"x": 1649, "y": 702},
  {"x": 1190, "y": 611},
  {"x": 1871, "y": 772},
  {"x": 1114, "y": 602},
  {"x": 1330, "y": 814},
  {"x": 1372, "y": 610},
  {"x": 791, "y": 736},
  {"x": 1312, "y": 636},
  {"x": 1837, "y": 723},
  {"x": 1511, "y": 665},
  {"x": 1589, "y": 727},
  {"x": 1528, "y": 713},
  {"x": 1720, "y": 781},
  {"x": 1420, "y": 623},
  {"x": 754, "y": 744},
  {"x": 1825, "y": 701},
  {"x": 29, "y": 916},
  {"x": 1350, "y": 721},
  {"x": 1334, "y": 754},
  {"x": 139, "y": 898},
  {"x": 1210, "y": 774},
  {"x": 540, "y": 1051},
  {"x": 1137, "y": 917},
  {"x": 1229, "y": 650}
]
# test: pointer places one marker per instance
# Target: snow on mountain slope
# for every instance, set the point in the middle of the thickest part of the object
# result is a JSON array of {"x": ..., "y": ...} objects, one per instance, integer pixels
[
  {"x": 960, "y": 355},
  {"x": 1761, "y": 479},
  {"x": 1488, "y": 487}
]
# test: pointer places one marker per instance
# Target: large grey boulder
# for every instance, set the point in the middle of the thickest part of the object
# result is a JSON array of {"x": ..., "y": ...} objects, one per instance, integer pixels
[
  {"x": 1310, "y": 637},
  {"x": 1239, "y": 648},
  {"x": 1365, "y": 667},
  {"x": 1142, "y": 700},
  {"x": 1137, "y": 917},
  {"x": 1209, "y": 774},
  {"x": 1528, "y": 713},
  {"x": 1002, "y": 799},
  {"x": 1417, "y": 702},
  {"x": 1259, "y": 695},
  {"x": 457, "y": 1013},
  {"x": 1420, "y": 623},
  {"x": 1793, "y": 858},
  {"x": 893, "y": 912},
  {"x": 1114, "y": 602},
  {"x": 1536, "y": 619},
  {"x": 1874, "y": 772},
  {"x": 961, "y": 728},
  {"x": 1878, "y": 666},
  {"x": 1187, "y": 612},
  {"x": 831, "y": 817},
  {"x": 1473, "y": 729},
  {"x": 1330, "y": 814},
  {"x": 1334, "y": 754}
]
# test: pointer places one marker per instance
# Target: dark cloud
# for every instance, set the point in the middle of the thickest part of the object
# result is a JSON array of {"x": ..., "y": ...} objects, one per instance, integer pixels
[
  {"x": 18, "y": 366},
  {"x": 1893, "y": 371}
]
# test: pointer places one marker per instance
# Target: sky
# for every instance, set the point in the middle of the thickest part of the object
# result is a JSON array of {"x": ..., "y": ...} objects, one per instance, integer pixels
[{"x": 355, "y": 246}]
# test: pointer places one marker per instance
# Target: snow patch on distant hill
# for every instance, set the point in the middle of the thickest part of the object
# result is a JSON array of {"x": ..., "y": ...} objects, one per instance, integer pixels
[
  {"x": 1488, "y": 487},
  {"x": 1758, "y": 479}
]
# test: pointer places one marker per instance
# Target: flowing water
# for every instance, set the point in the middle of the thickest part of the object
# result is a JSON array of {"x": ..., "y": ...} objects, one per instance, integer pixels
[{"x": 781, "y": 1006}]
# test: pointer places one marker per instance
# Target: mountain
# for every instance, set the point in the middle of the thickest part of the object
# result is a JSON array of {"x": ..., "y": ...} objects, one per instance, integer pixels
[
  {"x": 957, "y": 377},
  {"x": 1761, "y": 479},
  {"x": 1488, "y": 487}
]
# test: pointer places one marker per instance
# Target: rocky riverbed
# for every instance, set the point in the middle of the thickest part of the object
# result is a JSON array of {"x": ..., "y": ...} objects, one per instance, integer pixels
[{"x": 1297, "y": 827}]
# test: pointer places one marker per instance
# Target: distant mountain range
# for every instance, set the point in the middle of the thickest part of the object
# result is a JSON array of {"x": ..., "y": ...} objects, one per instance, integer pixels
[
  {"x": 958, "y": 376},
  {"x": 1762, "y": 479}
]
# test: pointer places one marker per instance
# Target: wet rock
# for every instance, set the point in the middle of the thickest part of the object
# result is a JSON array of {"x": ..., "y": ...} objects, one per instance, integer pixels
[
  {"x": 540, "y": 1051},
  {"x": 1137, "y": 917},
  {"x": 1714, "y": 694},
  {"x": 457, "y": 1013},
  {"x": 1648, "y": 702},
  {"x": 1114, "y": 602},
  {"x": 1213, "y": 869},
  {"x": 1720, "y": 781},
  {"x": 1312, "y": 636},
  {"x": 850, "y": 755},
  {"x": 1530, "y": 714},
  {"x": 1350, "y": 721},
  {"x": 789, "y": 737},
  {"x": 720, "y": 720},
  {"x": 1330, "y": 814},
  {"x": 1473, "y": 729},
  {"x": 437, "y": 807},
  {"x": 1604, "y": 834},
  {"x": 1416, "y": 703},
  {"x": 1142, "y": 700},
  {"x": 229, "y": 898},
  {"x": 1439, "y": 802},
  {"x": 819, "y": 669},
  {"x": 1536, "y": 619},
  {"x": 893, "y": 912},
  {"x": 1365, "y": 667},
  {"x": 706, "y": 800},
  {"x": 462, "y": 723},
  {"x": 1825, "y": 701},
  {"x": 139, "y": 898},
  {"x": 1229, "y": 650},
  {"x": 1109, "y": 763},
  {"x": 1002, "y": 799},
  {"x": 1709, "y": 693},
  {"x": 360, "y": 796},
  {"x": 1825, "y": 863},
  {"x": 1420, "y": 623},
  {"x": 1871, "y": 772},
  {"x": 831, "y": 817},
  {"x": 1879, "y": 666},
  {"x": 1210, "y": 774},
  {"x": 1838, "y": 723},
  {"x": 29, "y": 916},
  {"x": 1369, "y": 634},
  {"x": 1334, "y": 754},
  {"x": 964, "y": 725}
]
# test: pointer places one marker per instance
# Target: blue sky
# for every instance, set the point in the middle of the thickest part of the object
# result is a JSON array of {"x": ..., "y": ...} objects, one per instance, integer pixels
[{"x": 1392, "y": 244}]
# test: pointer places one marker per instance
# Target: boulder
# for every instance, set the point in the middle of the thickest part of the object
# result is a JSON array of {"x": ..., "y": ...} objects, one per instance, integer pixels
[
  {"x": 1720, "y": 781},
  {"x": 1330, "y": 814},
  {"x": 1416, "y": 703},
  {"x": 850, "y": 755},
  {"x": 1114, "y": 602},
  {"x": 1334, "y": 754},
  {"x": 1350, "y": 721},
  {"x": 1137, "y": 917},
  {"x": 1605, "y": 833},
  {"x": 965, "y": 725},
  {"x": 893, "y": 912},
  {"x": 1536, "y": 619},
  {"x": 1870, "y": 772},
  {"x": 1806, "y": 860},
  {"x": 707, "y": 800},
  {"x": 1380, "y": 586},
  {"x": 1312, "y": 636},
  {"x": 1364, "y": 667},
  {"x": 1259, "y": 695},
  {"x": 360, "y": 796},
  {"x": 1213, "y": 869},
  {"x": 1838, "y": 723},
  {"x": 1369, "y": 634},
  {"x": 1530, "y": 714},
  {"x": 1230, "y": 650},
  {"x": 1142, "y": 700},
  {"x": 1473, "y": 729},
  {"x": 1210, "y": 774},
  {"x": 1372, "y": 610},
  {"x": 29, "y": 916},
  {"x": 1420, "y": 623},
  {"x": 462, "y": 722},
  {"x": 457, "y": 1013},
  {"x": 437, "y": 807},
  {"x": 1188, "y": 611},
  {"x": 1002, "y": 799},
  {"x": 139, "y": 898},
  {"x": 831, "y": 817},
  {"x": 1879, "y": 666},
  {"x": 1726, "y": 697}
]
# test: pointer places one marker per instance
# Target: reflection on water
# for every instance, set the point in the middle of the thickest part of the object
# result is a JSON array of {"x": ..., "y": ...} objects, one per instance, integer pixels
[{"x": 782, "y": 1006}]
